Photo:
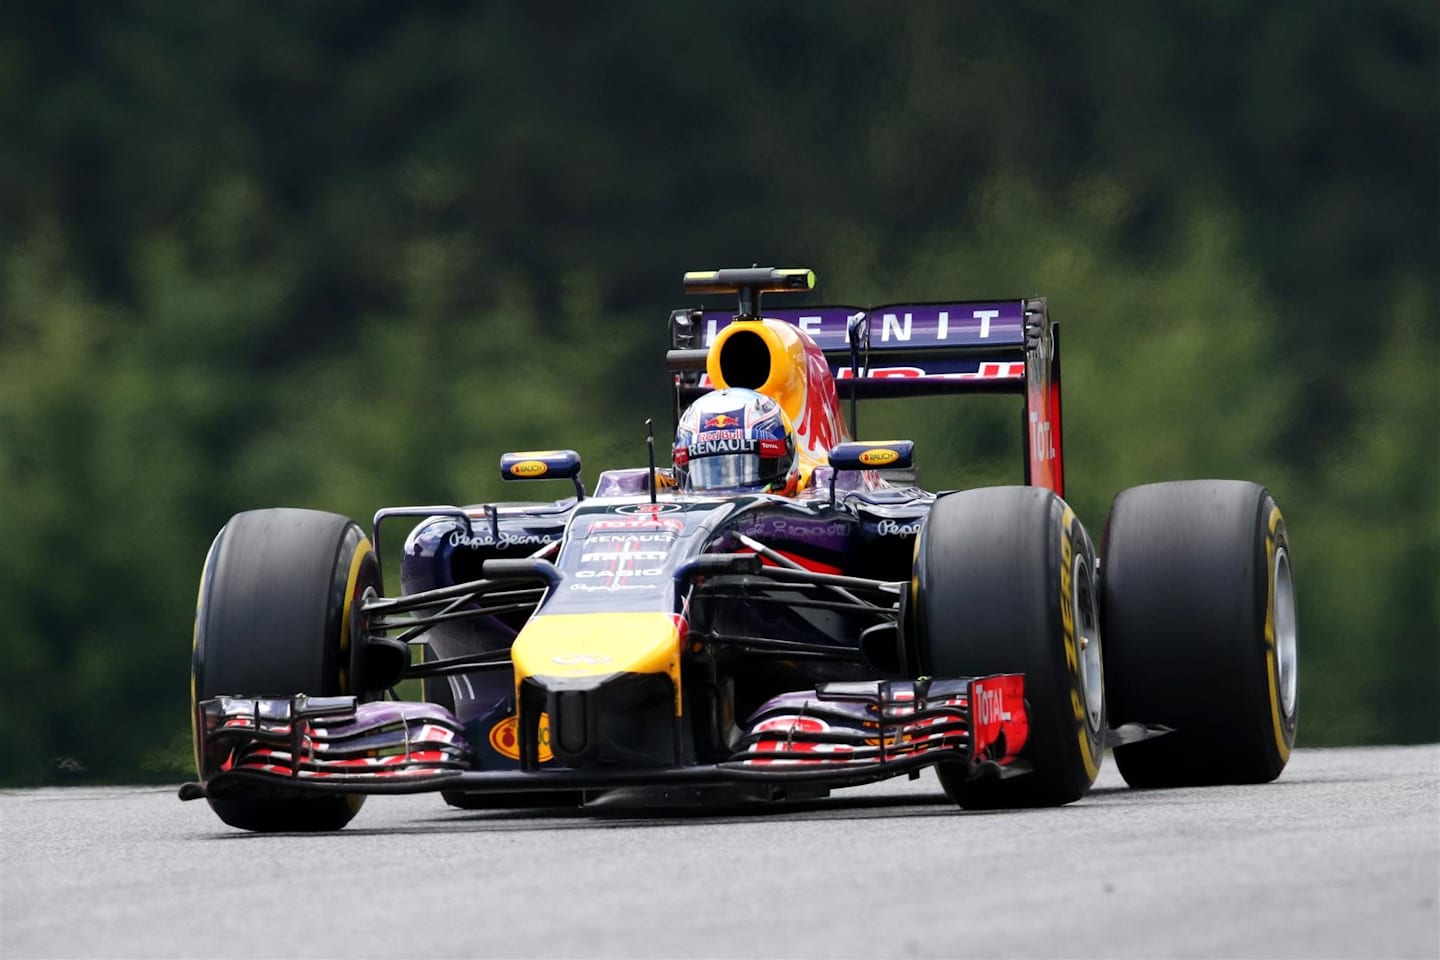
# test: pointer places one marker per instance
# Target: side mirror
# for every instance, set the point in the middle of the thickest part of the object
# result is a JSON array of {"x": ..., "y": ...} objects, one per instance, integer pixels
[
  {"x": 543, "y": 465},
  {"x": 877, "y": 455}
]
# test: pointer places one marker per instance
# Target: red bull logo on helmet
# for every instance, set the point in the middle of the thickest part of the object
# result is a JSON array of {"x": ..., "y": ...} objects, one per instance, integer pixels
[{"x": 720, "y": 421}]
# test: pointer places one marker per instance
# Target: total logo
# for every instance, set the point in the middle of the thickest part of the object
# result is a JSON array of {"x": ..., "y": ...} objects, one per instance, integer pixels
[
  {"x": 990, "y": 706},
  {"x": 647, "y": 509},
  {"x": 1042, "y": 446},
  {"x": 650, "y": 523}
]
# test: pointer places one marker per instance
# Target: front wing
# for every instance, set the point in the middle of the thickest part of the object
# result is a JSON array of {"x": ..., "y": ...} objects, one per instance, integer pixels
[{"x": 839, "y": 734}]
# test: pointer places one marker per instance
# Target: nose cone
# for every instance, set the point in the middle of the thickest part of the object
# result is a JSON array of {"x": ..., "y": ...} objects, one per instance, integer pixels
[
  {"x": 608, "y": 682},
  {"x": 577, "y": 645}
]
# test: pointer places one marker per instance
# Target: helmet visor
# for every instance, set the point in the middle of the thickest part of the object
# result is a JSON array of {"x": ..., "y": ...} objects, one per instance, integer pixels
[{"x": 728, "y": 472}]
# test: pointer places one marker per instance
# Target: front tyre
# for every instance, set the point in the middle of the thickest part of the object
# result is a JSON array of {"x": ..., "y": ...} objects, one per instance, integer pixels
[
  {"x": 273, "y": 620},
  {"x": 1004, "y": 582},
  {"x": 1200, "y": 632}
]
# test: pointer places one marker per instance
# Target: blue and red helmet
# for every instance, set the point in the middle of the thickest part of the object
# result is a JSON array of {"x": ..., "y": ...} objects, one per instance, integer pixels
[{"x": 736, "y": 439}]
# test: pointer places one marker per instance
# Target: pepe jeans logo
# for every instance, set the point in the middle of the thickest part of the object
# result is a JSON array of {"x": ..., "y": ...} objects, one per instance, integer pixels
[
  {"x": 893, "y": 528},
  {"x": 460, "y": 539}
]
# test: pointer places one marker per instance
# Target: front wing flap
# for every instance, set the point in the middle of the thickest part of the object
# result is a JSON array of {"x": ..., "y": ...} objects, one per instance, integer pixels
[
  {"x": 982, "y": 720},
  {"x": 330, "y": 738},
  {"x": 839, "y": 734}
]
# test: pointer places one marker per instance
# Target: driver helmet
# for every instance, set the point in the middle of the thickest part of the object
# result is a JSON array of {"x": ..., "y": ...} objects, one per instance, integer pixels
[{"x": 734, "y": 439}]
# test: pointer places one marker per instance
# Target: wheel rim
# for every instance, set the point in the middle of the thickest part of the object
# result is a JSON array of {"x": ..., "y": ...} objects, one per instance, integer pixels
[
  {"x": 1285, "y": 631},
  {"x": 1087, "y": 635}
]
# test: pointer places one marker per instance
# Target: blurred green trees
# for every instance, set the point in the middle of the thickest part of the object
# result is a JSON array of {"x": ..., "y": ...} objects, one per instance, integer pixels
[{"x": 341, "y": 255}]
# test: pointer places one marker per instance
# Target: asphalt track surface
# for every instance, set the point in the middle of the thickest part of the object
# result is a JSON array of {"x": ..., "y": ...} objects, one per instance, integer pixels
[{"x": 1338, "y": 858}]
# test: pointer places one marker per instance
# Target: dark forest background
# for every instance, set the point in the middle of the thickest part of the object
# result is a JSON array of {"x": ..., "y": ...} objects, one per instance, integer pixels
[{"x": 343, "y": 254}]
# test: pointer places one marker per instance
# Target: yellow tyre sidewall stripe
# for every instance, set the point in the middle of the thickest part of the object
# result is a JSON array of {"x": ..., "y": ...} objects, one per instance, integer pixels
[{"x": 1277, "y": 720}]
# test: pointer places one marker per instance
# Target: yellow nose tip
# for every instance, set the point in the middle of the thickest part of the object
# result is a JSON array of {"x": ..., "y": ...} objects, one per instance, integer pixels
[{"x": 596, "y": 644}]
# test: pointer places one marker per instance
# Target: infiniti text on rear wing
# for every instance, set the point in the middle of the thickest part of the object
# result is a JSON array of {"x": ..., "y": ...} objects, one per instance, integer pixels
[{"x": 943, "y": 341}]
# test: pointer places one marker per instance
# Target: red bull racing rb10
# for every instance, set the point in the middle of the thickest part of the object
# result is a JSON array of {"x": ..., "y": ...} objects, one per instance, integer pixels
[{"x": 773, "y": 611}]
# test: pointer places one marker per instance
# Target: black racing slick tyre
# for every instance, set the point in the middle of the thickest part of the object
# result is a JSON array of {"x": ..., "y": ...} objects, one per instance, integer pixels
[
  {"x": 273, "y": 620},
  {"x": 1198, "y": 604},
  {"x": 1004, "y": 582}
]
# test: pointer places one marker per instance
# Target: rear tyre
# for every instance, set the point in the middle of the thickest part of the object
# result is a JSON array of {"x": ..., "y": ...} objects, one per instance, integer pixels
[
  {"x": 1200, "y": 632},
  {"x": 1004, "y": 583},
  {"x": 273, "y": 620}
]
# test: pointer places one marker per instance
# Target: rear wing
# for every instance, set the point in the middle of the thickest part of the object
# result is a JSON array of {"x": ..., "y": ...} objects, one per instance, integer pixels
[{"x": 914, "y": 349}]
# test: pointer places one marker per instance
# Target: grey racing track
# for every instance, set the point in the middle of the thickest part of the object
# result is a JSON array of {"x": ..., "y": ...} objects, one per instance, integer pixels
[{"x": 1340, "y": 857}]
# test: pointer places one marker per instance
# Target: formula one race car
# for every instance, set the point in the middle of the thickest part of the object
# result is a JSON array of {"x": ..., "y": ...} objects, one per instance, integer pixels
[{"x": 772, "y": 612}]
